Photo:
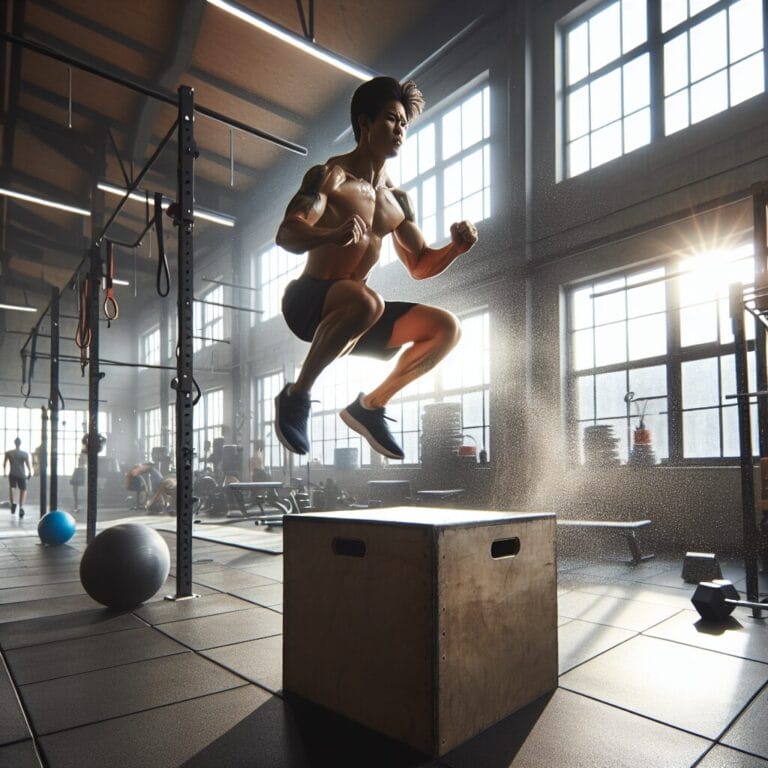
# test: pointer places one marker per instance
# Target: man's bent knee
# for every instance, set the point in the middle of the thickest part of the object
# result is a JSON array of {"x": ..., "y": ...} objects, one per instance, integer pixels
[{"x": 447, "y": 328}]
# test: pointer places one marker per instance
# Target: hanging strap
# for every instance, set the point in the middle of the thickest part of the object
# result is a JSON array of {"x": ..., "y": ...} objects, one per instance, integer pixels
[
  {"x": 83, "y": 332},
  {"x": 163, "y": 282}
]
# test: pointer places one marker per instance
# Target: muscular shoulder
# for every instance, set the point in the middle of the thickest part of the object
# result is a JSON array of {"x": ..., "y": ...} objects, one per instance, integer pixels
[
  {"x": 313, "y": 185},
  {"x": 404, "y": 202}
]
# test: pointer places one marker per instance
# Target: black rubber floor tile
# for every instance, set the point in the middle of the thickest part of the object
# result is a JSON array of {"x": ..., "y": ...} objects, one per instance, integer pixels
[
  {"x": 225, "y": 628},
  {"x": 269, "y": 595},
  {"x": 36, "y": 609},
  {"x": 749, "y": 732},
  {"x": 68, "y": 702},
  {"x": 25, "y": 594},
  {"x": 671, "y": 683},
  {"x": 613, "y": 611},
  {"x": 55, "y": 628},
  {"x": 20, "y": 579},
  {"x": 656, "y": 594},
  {"x": 270, "y": 569},
  {"x": 229, "y": 578},
  {"x": 13, "y": 726},
  {"x": 241, "y": 728},
  {"x": 22, "y": 754},
  {"x": 72, "y": 657},
  {"x": 579, "y": 641},
  {"x": 260, "y": 661},
  {"x": 739, "y": 635},
  {"x": 722, "y": 757},
  {"x": 178, "y": 610},
  {"x": 570, "y": 731}
]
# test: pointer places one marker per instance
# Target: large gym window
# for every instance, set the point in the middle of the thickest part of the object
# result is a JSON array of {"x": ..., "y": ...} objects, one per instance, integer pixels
[
  {"x": 149, "y": 347},
  {"x": 265, "y": 390},
  {"x": 709, "y": 56},
  {"x": 445, "y": 166},
  {"x": 24, "y": 423},
  {"x": 209, "y": 319},
  {"x": 150, "y": 432},
  {"x": 668, "y": 341},
  {"x": 274, "y": 268},
  {"x": 209, "y": 423}
]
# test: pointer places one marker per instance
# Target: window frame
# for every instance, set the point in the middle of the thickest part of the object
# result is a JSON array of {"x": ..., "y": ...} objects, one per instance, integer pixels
[
  {"x": 653, "y": 46},
  {"x": 677, "y": 355}
]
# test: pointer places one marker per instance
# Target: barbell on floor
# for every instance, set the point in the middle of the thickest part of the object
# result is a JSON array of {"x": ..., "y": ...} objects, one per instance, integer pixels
[{"x": 716, "y": 600}]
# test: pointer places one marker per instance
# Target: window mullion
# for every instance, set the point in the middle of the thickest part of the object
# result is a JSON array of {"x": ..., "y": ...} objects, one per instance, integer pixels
[
  {"x": 656, "y": 64},
  {"x": 674, "y": 374}
]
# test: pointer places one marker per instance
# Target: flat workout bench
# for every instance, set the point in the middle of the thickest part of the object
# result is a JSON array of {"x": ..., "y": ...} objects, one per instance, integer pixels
[{"x": 627, "y": 527}]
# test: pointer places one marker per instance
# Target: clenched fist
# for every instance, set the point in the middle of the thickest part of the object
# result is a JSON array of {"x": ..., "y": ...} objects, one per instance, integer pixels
[
  {"x": 351, "y": 231},
  {"x": 463, "y": 235}
]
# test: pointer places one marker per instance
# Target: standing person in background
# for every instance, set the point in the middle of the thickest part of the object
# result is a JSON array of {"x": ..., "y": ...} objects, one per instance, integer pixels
[
  {"x": 14, "y": 464},
  {"x": 77, "y": 480}
]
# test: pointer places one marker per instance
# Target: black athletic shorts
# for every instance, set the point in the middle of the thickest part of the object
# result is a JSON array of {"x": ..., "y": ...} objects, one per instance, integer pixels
[
  {"x": 18, "y": 482},
  {"x": 303, "y": 302}
]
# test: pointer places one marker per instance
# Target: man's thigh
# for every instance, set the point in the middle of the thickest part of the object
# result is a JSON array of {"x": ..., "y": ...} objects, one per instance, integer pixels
[{"x": 421, "y": 323}]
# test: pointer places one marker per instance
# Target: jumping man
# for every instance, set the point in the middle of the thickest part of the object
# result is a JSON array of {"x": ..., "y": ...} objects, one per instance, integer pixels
[
  {"x": 14, "y": 463},
  {"x": 339, "y": 217}
]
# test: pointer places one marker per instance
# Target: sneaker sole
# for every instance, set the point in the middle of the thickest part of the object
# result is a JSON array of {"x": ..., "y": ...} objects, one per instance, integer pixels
[
  {"x": 280, "y": 436},
  {"x": 353, "y": 423}
]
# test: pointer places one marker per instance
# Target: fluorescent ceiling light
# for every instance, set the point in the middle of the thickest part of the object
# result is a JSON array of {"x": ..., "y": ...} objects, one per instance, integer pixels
[
  {"x": 115, "y": 281},
  {"x": 200, "y": 213},
  {"x": 18, "y": 308},
  {"x": 293, "y": 39},
  {"x": 43, "y": 201}
]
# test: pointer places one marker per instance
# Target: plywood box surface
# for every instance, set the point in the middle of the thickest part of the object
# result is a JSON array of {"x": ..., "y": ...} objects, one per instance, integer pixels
[{"x": 427, "y": 625}]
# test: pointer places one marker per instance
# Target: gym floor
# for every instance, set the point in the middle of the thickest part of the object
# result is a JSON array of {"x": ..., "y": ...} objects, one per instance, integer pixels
[{"x": 198, "y": 683}]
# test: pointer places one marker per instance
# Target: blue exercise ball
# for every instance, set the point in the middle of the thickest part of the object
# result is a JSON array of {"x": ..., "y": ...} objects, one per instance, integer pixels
[
  {"x": 125, "y": 565},
  {"x": 56, "y": 527}
]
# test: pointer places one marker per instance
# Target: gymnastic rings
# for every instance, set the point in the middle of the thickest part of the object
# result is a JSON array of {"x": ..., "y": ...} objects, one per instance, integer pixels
[{"x": 111, "y": 310}]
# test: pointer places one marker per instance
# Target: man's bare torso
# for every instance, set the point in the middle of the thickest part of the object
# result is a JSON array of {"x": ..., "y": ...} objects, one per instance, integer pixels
[{"x": 348, "y": 195}]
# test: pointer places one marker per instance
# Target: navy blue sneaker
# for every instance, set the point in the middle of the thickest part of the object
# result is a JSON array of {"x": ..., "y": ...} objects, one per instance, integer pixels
[
  {"x": 369, "y": 422},
  {"x": 291, "y": 415}
]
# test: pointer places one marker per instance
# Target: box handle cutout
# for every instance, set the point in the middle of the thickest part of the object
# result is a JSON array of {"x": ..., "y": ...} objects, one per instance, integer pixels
[
  {"x": 348, "y": 547},
  {"x": 505, "y": 547}
]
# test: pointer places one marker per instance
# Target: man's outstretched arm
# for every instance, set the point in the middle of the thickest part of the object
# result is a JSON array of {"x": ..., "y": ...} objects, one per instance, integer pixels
[
  {"x": 420, "y": 260},
  {"x": 298, "y": 231}
]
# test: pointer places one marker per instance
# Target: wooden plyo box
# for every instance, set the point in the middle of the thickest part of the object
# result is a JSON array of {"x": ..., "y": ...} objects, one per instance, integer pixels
[{"x": 425, "y": 624}]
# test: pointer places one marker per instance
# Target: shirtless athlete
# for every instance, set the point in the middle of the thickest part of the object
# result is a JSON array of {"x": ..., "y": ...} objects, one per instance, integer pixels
[{"x": 339, "y": 216}]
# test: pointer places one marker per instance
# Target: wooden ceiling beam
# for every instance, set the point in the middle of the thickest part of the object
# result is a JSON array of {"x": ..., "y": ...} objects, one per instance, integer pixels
[
  {"x": 177, "y": 62},
  {"x": 248, "y": 96},
  {"x": 59, "y": 139}
]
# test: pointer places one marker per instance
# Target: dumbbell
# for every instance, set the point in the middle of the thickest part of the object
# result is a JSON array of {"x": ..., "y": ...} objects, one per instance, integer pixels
[{"x": 716, "y": 600}]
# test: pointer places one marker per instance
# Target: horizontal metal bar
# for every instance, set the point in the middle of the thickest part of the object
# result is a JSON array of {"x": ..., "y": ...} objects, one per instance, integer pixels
[
  {"x": 146, "y": 91},
  {"x": 759, "y": 393},
  {"x": 231, "y": 285},
  {"x": 46, "y": 398},
  {"x": 208, "y": 338},
  {"x": 115, "y": 363},
  {"x": 230, "y": 306}
]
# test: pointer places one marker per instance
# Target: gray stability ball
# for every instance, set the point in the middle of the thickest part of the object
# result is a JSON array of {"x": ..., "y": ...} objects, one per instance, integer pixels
[{"x": 125, "y": 565}]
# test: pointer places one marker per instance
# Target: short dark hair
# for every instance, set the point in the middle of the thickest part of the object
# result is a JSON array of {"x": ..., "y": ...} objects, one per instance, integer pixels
[{"x": 371, "y": 97}]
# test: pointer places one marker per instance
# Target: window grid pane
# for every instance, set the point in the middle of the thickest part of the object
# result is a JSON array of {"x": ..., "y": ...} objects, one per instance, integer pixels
[
  {"x": 711, "y": 55},
  {"x": 617, "y": 343}
]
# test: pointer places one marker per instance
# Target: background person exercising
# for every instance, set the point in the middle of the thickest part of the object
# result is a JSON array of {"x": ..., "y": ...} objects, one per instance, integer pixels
[
  {"x": 14, "y": 464},
  {"x": 340, "y": 216}
]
